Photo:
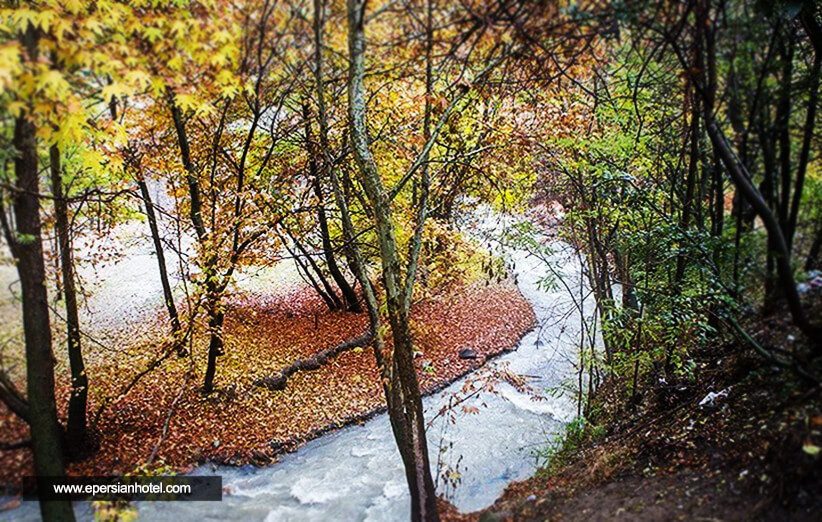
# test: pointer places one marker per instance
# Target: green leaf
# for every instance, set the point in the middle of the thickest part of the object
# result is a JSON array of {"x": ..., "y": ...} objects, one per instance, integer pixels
[
  {"x": 811, "y": 449},
  {"x": 25, "y": 239}
]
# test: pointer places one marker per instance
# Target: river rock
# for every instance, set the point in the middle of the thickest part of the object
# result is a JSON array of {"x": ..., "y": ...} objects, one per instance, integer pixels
[
  {"x": 247, "y": 469},
  {"x": 468, "y": 353}
]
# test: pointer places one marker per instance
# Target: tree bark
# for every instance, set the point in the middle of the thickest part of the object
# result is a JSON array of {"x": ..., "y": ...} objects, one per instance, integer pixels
[
  {"x": 213, "y": 290},
  {"x": 78, "y": 401},
  {"x": 415, "y": 247},
  {"x": 355, "y": 257},
  {"x": 316, "y": 169},
  {"x": 349, "y": 233},
  {"x": 46, "y": 432},
  {"x": 305, "y": 273},
  {"x": 216, "y": 316},
  {"x": 784, "y": 137},
  {"x": 12, "y": 397},
  {"x": 775, "y": 237},
  {"x": 14, "y": 400},
  {"x": 161, "y": 260},
  {"x": 405, "y": 402},
  {"x": 196, "y": 211},
  {"x": 328, "y": 167},
  {"x": 804, "y": 153},
  {"x": 690, "y": 184},
  {"x": 336, "y": 304}
]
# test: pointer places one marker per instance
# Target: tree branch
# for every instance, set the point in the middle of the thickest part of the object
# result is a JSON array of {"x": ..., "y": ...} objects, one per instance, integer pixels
[{"x": 12, "y": 397}]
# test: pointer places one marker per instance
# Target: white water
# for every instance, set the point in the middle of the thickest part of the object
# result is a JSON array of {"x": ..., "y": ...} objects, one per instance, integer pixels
[{"x": 356, "y": 473}]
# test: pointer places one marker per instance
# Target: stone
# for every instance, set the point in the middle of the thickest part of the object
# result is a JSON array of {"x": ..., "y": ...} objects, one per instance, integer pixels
[{"x": 468, "y": 353}]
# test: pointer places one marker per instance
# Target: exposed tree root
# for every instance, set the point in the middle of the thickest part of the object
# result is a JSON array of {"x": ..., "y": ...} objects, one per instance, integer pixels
[{"x": 278, "y": 382}]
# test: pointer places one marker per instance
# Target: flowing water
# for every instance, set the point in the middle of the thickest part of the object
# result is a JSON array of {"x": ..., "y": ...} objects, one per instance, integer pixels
[{"x": 356, "y": 473}]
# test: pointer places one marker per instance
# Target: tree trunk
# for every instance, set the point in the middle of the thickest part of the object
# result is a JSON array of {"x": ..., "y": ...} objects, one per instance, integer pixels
[
  {"x": 76, "y": 426},
  {"x": 406, "y": 407},
  {"x": 216, "y": 317},
  {"x": 12, "y": 398},
  {"x": 336, "y": 304},
  {"x": 814, "y": 31},
  {"x": 783, "y": 138},
  {"x": 812, "y": 263},
  {"x": 775, "y": 237},
  {"x": 690, "y": 185},
  {"x": 804, "y": 153},
  {"x": 46, "y": 433},
  {"x": 770, "y": 195},
  {"x": 161, "y": 260},
  {"x": 387, "y": 375},
  {"x": 352, "y": 304},
  {"x": 305, "y": 274},
  {"x": 599, "y": 278},
  {"x": 349, "y": 296},
  {"x": 353, "y": 254},
  {"x": 717, "y": 213},
  {"x": 622, "y": 263},
  {"x": 415, "y": 246},
  {"x": 196, "y": 211},
  {"x": 718, "y": 209},
  {"x": 215, "y": 314}
]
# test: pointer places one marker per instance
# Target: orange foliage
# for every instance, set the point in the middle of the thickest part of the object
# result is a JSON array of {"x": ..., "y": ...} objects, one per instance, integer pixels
[{"x": 242, "y": 423}]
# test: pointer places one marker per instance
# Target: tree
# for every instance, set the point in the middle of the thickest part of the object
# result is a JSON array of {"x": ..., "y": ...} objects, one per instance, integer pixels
[
  {"x": 226, "y": 110},
  {"x": 780, "y": 223},
  {"x": 50, "y": 73},
  {"x": 405, "y": 402},
  {"x": 25, "y": 242},
  {"x": 481, "y": 55},
  {"x": 684, "y": 101},
  {"x": 76, "y": 424},
  {"x": 317, "y": 180}
]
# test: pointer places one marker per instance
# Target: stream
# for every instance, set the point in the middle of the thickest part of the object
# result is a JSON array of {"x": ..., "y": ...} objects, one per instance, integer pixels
[{"x": 356, "y": 473}]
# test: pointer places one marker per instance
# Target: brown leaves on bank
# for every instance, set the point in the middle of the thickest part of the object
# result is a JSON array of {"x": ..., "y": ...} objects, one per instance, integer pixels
[{"x": 242, "y": 423}]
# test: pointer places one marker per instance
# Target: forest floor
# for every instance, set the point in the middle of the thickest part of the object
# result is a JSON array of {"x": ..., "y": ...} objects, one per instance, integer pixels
[
  {"x": 749, "y": 451},
  {"x": 243, "y": 423}
]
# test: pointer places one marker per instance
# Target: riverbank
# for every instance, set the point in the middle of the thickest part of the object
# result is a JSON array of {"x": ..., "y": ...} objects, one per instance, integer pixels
[
  {"x": 246, "y": 424},
  {"x": 738, "y": 441}
]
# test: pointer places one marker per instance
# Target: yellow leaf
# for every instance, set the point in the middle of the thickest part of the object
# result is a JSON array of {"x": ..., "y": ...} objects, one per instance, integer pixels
[
  {"x": 114, "y": 90},
  {"x": 16, "y": 108},
  {"x": 73, "y": 6},
  {"x": 52, "y": 83},
  {"x": 186, "y": 102},
  {"x": 153, "y": 34},
  {"x": 9, "y": 64},
  {"x": 21, "y": 18},
  {"x": 139, "y": 79}
]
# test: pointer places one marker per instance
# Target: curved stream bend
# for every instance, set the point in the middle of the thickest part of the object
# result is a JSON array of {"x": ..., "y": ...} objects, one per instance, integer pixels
[{"x": 356, "y": 473}]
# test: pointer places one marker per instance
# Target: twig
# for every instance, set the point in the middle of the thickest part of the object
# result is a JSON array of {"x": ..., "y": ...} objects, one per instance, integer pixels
[{"x": 171, "y": 410}]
